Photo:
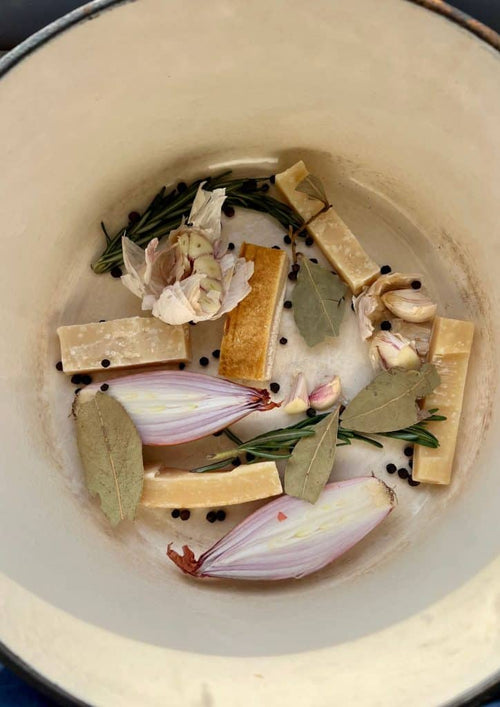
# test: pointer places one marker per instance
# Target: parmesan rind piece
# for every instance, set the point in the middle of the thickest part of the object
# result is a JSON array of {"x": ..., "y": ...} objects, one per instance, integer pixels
[
  {"x": 251, "y": 329},
  {"x": 343, "y": 250},
  {"x": 186, "y": 489},
  {"x": 125, "y": 343},
  {"x": 450, "y": 347},
  {"x": 306, "y": 206},
  {"x": 338, "y": 244}
]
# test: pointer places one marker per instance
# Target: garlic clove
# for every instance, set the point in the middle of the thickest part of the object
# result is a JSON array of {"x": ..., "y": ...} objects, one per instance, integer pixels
[
  {"x": 388, "y": 350},
  {"x": 199, "y": 245},
  {"x": 298, "y": 399},
  {"x": 210, "y": 283},
  {"x": 418, "y": 334},
  {"x": 326, "y": 395},
  {"x": 207, "y": 264},
  {"x": 410, "y": 305}
]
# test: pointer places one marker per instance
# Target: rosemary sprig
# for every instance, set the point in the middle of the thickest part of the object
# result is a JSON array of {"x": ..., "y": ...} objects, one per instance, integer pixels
[
  {"x": 167, "y": 209},
  {"x": 278, "y": 444}
]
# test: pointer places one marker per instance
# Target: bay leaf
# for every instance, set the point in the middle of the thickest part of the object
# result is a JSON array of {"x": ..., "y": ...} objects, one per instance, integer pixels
[
  {"x": 388, "y": 403},
  {"x": 318, "y": 302},
  {"x": 310, "y": 465},
  {"x": 111, "y": 452},
  {"x": 313, "y": 187}
]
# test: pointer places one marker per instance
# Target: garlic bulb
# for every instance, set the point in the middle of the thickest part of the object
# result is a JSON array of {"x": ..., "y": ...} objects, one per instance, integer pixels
[
  {"x": 410, "y": 305},
  {"x": 369, "y": 306},
  {"x": 388, "y": 350},
  {"x": 325, "y": 396},
  {"x": 298, "y": 399}
]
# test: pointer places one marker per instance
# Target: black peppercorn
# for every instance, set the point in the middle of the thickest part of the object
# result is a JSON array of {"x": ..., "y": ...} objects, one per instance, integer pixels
[
  {"x": 59, "y": 366},
  {"x": 385, "y": 269},
  {"x": 182, "y": 186},
  {"x": 412, "y": 482},
  {"x": 221, "y": 515},
  {"x": 134, "y": 216},
  {"x": 408, "y": 451},
  {"x": 287, "y": 304},
  {"x": 283, "y": 340},
  {"x": 416, "y": 284},
  {"x": 309, "y": 240},
  {"x": 116, "y": 271},
  {"x": 276, "y": 247},
  {"x": 86, "y": 379},
  {"x": 182, "y": 366},
  {"x": 228, "y": 211},
  {"x": 230, "y": 246},
  {"x": 292, "y": 275},
  {"x": 403, "y": 473},
  {"x": 249, "y": 456},
  {"x": 104, "y": 387},
  {"x": 287, "y": 239},
  {"x": 311, "y": 412},
  {"x": 76, "y": 379},
  {"x": 386, "y": 325},
  {"x": 211, "y": 516},
  {"x": 204, "y": 361},
  {"x": 105, "y": 363},
  {"x": 175, "y": 513},
  {"x": 275, "y": 387},
  {"x": 216, "y": 353},
  {"x": 236, "y": 461},
  {"x": 391, "y": 468},
  {"x": 314, "y": 260},
  {"x": 185, "y": 514}
]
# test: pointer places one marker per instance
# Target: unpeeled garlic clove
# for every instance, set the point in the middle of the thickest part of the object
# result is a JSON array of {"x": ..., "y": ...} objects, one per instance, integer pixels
[
  {"x": 389, "y": 350},
  {"x": 326, "y": 395},
  {"x": 298, "y": 399},
  {"x": 418, "y": 334},
  {"x": 410, "y": 305}
]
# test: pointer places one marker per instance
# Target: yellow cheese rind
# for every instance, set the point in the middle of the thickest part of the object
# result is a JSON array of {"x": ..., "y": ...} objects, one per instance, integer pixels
[
  {"x": 251, "y": 329},
  {"x": 338, "y": 244},
  {"x": 450, "y": 347},
  {"x": 186, "y": 489},
  {"x": 343, "y": 250},
  {"x": 287, "y": 181},
  {"x": 125, "y": 343}
]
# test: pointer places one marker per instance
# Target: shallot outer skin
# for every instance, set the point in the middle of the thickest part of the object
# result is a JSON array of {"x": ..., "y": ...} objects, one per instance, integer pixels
[
  {"x": 291, "y": 538},
  {"x": 172, "y": 407}
]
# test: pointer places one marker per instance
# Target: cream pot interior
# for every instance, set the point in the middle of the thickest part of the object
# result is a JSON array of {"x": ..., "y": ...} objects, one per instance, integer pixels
[{"x": 398, "y": 111}]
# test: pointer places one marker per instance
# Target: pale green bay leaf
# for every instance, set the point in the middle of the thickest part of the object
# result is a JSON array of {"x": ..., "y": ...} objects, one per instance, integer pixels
[
  {"x": 111, "y": 452},
  {"x": 318, "y": 302},
  {"x": 311, "y": 463},
  {"x": 388, "y": 403},
  {"x": 313, "y": 186}
]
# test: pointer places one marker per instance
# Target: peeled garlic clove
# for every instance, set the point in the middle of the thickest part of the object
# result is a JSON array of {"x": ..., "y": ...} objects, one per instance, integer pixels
[
  {"x": 298, "y": 399},
  {"x": 210, "y": 305},
  {"x": 199, "y": 245},
  {"x": 183, "y": 243},
  {"x": 326, "y": 395},
  {"x": 410, "y": 305},
  {"x": 389, "y": 350},
  {"x": 207, "y": 264}
]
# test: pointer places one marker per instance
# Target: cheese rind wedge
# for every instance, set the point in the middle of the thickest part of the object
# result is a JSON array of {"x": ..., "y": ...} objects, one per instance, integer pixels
[
  {"x": 251, "y": 329},
  {"x": 338, "y": 244},
  {"x": 306, "y": 206},
  {"x": 450, "y": 347},
  {"x": 125, "y": 343},
  {"x": 187, "y": 489}
]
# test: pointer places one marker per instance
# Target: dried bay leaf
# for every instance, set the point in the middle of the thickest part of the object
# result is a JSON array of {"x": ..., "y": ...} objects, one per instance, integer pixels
[
  {"x": 111, "y": 452},
  {"x": 318, "y": 302},
  {"x": 310, "y": 465},
  {"x": 313, "y": 186},
  {"x": 388, "y": 403}
]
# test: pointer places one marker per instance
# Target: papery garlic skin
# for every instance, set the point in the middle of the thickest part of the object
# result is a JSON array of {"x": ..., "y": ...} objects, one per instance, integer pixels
[
  {"x": 189, "y": 276},
  {"x": 298, "y": 399},
  {"x": 369, "y": 306},
  {"x": 291, "y": 538},
  {"x": 410, "y": 305},
  {"x": 326, "y": 395},
  {"x": 388, "y": 350},
  {"x": 418, "y": 334}
]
